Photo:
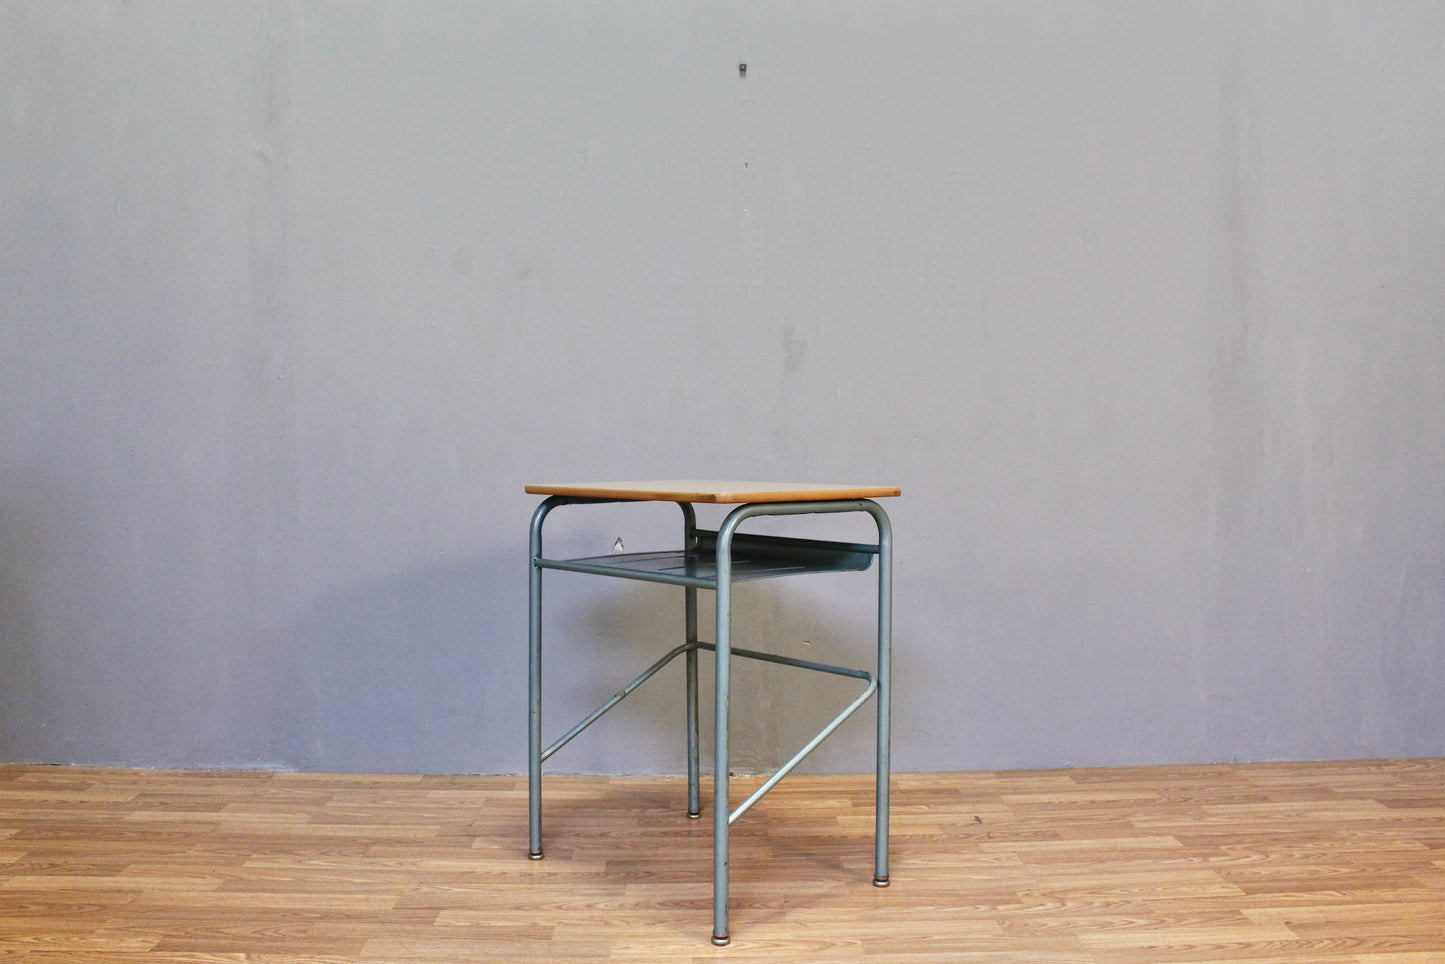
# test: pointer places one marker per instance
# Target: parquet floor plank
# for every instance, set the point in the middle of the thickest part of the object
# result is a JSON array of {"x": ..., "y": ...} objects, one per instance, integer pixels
[{"x": 1314, "y": 863}]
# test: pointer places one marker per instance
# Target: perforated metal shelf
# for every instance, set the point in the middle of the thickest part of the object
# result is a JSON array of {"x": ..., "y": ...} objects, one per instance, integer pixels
[{"x": 753, "y": 557}]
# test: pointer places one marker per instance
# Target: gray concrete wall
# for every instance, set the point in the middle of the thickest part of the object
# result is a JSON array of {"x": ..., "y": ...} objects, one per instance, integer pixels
[{"x": 1142, "y": 304}]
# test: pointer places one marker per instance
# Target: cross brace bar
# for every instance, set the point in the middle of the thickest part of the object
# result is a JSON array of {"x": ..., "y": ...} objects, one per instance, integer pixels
[{"x": 787, "y": 767}]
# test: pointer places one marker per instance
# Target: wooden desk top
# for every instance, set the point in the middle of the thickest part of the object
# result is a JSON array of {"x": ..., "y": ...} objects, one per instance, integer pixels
[{"x": 712, "y": 490}]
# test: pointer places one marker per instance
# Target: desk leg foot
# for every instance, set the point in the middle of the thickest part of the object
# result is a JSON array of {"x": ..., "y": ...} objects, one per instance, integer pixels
[
  {"x": 721, "y": 941},
  {"x": 535, "y": 856},
  {"x": 880, "y": 881},
  {"x": 694, "y": 814}
]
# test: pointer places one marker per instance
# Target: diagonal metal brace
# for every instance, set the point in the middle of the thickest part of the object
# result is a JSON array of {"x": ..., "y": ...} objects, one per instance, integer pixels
[
  {"x": 787, "y": 767},
  {"x": 616, "y": 698}
]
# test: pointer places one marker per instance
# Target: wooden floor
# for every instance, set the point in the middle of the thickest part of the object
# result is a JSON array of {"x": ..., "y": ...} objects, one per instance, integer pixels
[{"x": 1302, "y": 863}]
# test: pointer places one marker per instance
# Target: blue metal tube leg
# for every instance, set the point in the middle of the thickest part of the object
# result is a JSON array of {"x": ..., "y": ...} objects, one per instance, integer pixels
[
  {"x": 721, "y": 707},
  {"x": 534, "y": 685},
  {"x": 885, "y": 677},
  {"x": 694, "y": 775}
]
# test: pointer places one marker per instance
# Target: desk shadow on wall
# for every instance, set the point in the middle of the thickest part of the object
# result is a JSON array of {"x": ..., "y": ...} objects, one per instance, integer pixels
[
  {"x": 25, "y": 683},
  {"x": 416, "y": 673},
  {"x": 426, "y": 672}
]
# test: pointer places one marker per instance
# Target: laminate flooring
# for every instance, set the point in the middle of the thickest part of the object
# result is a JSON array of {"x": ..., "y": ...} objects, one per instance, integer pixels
[{"x": 1300, "y": 863}]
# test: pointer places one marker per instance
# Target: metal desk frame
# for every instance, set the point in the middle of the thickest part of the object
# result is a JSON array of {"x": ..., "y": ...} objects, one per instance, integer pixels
[{"x": 715, "y": 561}]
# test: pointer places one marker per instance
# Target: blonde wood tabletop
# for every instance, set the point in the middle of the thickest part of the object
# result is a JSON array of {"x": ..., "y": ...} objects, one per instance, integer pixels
[{"x": 713, "y": 491}]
